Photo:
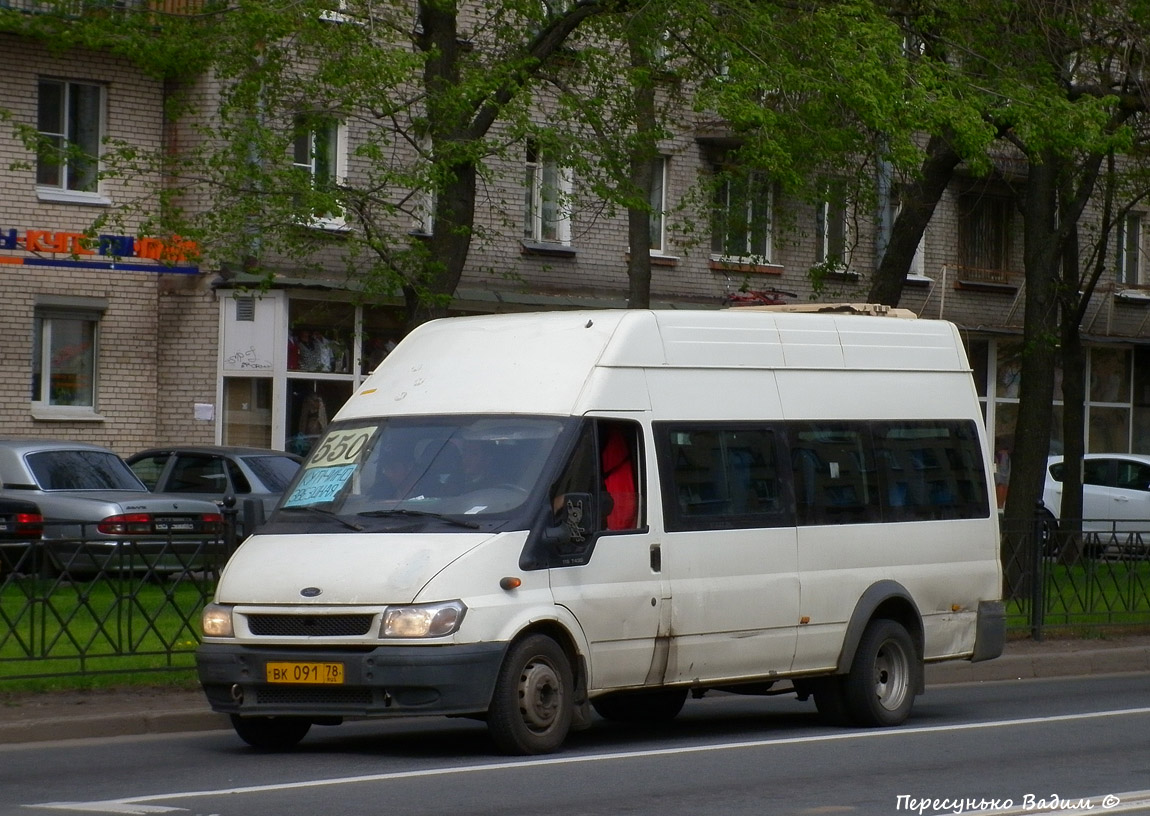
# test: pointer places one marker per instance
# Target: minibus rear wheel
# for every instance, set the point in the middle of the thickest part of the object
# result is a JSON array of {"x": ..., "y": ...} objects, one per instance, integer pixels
[
  {"x": 532, "y": 706},
  {"x": 884, "y": 676},
  {"x": 271, "y": 733}
]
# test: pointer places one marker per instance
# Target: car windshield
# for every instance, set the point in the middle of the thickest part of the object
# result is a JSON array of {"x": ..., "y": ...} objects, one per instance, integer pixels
[
  {"x": 275, "y": 472},
  {"x": 82, "y": 470},
  {"x": 454, "y": 469}
]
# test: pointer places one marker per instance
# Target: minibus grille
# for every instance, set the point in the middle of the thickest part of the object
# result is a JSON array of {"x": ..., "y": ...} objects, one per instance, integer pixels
[{"x": 309, "y": 625}]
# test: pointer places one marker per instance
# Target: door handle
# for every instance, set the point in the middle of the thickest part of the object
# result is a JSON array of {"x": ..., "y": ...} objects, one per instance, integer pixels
[{"x": 656, "y": 558}]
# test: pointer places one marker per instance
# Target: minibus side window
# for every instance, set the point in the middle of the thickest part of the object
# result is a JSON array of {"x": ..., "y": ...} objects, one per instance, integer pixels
[
  {"x": 620, "y": 472},
  {"x": 834, "y": 473},
  {"x": 718, "y": 477},
  {"x": 931, "y": 470},
  {"x": 606, "y": 466}
]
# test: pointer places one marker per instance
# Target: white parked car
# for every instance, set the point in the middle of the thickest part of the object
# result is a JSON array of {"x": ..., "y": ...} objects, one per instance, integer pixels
[{"x": 1115, "y": 498}]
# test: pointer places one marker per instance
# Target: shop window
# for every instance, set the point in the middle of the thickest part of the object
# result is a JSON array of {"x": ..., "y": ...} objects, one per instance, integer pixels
[
  {"x": 382, "y": 331},
  {"x": 741, "y": 227},
  {"x": 547, "y": 199},
  {"x": 70, "y": 123},
  {"x": 248, "y": 411},
  {"x": 320, "y": 335},
  {"x": 65, "y": 356},
  {"x": 311, "y": 405},
  {"x": 1110, "y": 375}
]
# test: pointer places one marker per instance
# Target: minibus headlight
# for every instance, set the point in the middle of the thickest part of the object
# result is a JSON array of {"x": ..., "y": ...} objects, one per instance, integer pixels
[
  {"x": 217, "y": 621},
  {"x": 423, "y": 620}
]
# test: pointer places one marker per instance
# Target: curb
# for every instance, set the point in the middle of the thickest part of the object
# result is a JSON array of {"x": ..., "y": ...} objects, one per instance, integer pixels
[{"x": 52, "y": 728}]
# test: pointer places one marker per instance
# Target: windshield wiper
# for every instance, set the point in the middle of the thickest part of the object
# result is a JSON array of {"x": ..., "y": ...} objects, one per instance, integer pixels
[
  {"x": 471, "y": 525},
  {"x": 351, "y": 525}
]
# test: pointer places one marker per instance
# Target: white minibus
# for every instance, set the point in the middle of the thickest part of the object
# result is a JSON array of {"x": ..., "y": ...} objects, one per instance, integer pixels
[{"x": 524, "y": 517}]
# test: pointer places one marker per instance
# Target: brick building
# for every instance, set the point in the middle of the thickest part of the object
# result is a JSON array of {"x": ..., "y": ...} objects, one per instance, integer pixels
[{"x": 132, "y": 342}]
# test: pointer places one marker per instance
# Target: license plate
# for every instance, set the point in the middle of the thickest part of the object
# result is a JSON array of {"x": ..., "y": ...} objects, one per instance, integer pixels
[{"x": 311, "y": 673}]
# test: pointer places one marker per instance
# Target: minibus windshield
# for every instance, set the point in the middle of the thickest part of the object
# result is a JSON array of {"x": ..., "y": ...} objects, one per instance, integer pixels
[{"x": 457, "y": 469}]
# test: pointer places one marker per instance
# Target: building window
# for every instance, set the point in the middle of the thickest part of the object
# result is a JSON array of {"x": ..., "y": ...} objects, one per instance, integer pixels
[
  {"x": 65, "y": 356},
  {"x": 984, "y": 238},
  {"x": 547, "y": 199},
  {"x": 1128, "y": 253},
  {"x": 831, "y": 227},
  {"x": 70, "y": 121},
  {"x": 742, "y": 216},
  {"x": 318, "y": 151},
  {"x": 658, "y": 204},
  {"x": 917, "y": 264}
]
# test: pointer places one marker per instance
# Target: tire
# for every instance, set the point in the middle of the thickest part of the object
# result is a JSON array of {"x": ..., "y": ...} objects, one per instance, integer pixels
[
  {"x": 884, "y": 676},
  {"x": 646, "y": 707},
  {"x": 533, "y": 702},
  {"x": 271, "y": 733},
  {"x": 831, "y": 700}
]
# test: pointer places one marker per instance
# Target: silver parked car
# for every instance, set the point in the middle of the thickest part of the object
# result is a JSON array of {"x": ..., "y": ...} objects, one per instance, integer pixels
[
  {"x": 99, "y": 516},
  {"x": 215, "y": 471}
]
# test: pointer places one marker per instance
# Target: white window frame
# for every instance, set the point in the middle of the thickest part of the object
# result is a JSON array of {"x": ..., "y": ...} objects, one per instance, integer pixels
[
  {"x": 832, "y": 217},
  {"x": 547, "y": 199},
  {"x": 64, "y": 189},
  {"x": 1128, "y": 251},
  {"x": 49, "y": 328},
  {"x": 750, "y": 253},
  {"x": 918, "y": 262},
  {"x": 306, "y": 158},
  {"x": 658, "y": 204}
]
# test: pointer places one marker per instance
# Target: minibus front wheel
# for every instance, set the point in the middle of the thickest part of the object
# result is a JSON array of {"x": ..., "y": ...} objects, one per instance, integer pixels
[
  {"x": 271, "y": 733},
  {"x": 533, "y": 702}
]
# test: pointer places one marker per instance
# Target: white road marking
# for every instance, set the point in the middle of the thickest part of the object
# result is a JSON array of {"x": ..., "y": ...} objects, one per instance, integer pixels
[{"x": 134, "y": 805}]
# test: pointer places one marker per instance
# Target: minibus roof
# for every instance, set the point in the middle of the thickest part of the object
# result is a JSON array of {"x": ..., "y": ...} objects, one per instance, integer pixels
[{"x": 540, "y": 363}]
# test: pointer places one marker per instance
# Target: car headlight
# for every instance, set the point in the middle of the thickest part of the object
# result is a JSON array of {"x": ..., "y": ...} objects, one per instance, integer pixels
[
  {"x": 422, "y": 620},
  {"x": 217, "y": 621}
]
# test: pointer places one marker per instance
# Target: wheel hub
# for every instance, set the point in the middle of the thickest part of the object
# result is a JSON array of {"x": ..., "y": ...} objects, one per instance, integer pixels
[{"x": 539, "y": 694}]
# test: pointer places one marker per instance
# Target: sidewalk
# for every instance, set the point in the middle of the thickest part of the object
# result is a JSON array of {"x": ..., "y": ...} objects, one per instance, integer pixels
[{"x": 61, "y": 715}]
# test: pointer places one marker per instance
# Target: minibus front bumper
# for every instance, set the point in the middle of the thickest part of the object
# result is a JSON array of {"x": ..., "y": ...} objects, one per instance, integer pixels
[{"x": 335, "y": 683}]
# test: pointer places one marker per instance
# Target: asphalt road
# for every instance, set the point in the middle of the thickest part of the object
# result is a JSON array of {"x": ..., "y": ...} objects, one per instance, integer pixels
[{"x": 1014, "y": 746}]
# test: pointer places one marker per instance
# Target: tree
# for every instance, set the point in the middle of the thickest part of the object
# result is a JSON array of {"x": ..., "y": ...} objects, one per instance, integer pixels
[{"x": 431, "y": 97}]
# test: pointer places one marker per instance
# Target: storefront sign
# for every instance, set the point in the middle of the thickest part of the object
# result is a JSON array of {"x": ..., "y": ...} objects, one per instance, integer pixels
[{"x": 82, "y": 251}]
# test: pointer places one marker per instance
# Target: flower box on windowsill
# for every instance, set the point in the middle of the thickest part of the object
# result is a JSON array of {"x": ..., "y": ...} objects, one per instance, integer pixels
[
  {"x": 1130, "y": 293},
  {"x": 985, "y": 280},
  {"x": 745, "y": 268},
  {"x": 548, "y": 248}
]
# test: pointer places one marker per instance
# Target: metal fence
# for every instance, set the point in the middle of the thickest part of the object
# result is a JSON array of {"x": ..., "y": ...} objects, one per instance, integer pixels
[
  {"x": 78, "y": 607},
  {"x": 85, "y": 605},
  {"x": 1077, "y": 576}
]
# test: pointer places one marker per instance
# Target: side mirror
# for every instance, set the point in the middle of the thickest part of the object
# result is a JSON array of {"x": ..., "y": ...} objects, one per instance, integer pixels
[{"x": 574, "y": 521}]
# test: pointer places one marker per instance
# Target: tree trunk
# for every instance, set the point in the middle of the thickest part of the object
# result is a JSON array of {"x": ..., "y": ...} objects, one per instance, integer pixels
[
  {"x": 644, "y": 165},
  {"x": 1036, "y": 391}
]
